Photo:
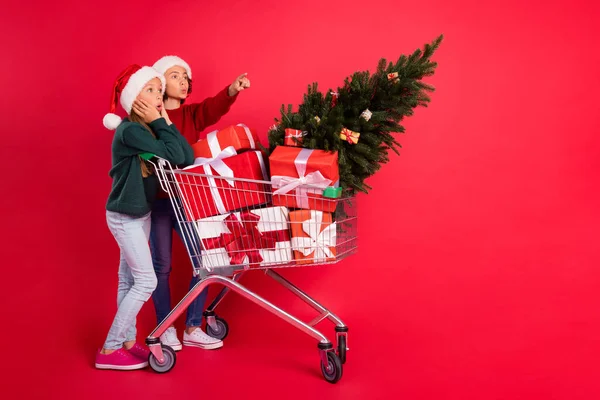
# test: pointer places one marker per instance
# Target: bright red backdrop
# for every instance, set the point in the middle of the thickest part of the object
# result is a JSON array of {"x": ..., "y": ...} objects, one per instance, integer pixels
[{"x": 477, "y": 276}]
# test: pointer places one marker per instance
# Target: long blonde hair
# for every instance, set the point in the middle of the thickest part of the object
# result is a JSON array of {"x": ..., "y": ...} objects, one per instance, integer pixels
[{"x": 146, "y": 167}]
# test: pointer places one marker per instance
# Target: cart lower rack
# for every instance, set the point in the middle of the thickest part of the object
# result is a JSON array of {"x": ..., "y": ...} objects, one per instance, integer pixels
[{"x": 231, "y": 226}]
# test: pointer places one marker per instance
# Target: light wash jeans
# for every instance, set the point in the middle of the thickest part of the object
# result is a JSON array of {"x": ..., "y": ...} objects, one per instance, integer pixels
[{"x": 137, "y": 279}]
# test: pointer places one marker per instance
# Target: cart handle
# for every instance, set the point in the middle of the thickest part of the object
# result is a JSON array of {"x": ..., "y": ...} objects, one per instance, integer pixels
[
  {"x": 162, "y": 163},
  {"x": 147, "y": 156}
]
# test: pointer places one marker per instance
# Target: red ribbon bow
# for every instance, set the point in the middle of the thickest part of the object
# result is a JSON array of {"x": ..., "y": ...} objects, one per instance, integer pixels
[
  {"x": 245, "y": 239},
  {"x": 349, "y": 136}
]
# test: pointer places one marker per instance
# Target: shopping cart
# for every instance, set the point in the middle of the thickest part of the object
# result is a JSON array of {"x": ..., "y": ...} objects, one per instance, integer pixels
[{"x": 258, "y": 235}]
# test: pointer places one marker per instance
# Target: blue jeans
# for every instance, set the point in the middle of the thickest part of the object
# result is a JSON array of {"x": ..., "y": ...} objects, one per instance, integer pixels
[
  {"x": 136, "y": 275},
  {"x": 161, "y": 243}
]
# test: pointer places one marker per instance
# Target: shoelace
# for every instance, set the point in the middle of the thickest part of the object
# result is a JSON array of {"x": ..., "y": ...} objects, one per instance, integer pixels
[
  {"x": 201, "y": 335},
  {"x": 170, "y": 335},
  {"x": 120, "y": 353},
  {"x": 140, "y": 348}
]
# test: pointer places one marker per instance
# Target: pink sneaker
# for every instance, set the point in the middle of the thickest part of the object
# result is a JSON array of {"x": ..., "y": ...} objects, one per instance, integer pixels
[
  {"x": 120, "y": 360},
  {"x": 140, "y": 351}
]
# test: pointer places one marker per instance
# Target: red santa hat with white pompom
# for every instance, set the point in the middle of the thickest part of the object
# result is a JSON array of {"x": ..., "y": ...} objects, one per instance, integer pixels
[
  {"x": 127, "y": 87},
  {"x": 167, "y": 62}
]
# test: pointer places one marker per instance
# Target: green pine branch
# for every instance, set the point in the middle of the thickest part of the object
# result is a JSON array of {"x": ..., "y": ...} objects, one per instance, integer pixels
[{"x": 390, "y": 101}]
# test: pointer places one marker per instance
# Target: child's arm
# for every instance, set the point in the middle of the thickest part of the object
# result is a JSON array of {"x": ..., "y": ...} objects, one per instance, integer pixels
[
  {"x": 210, "y": 111},
  {"x": 188, "y": 152},
  {"x": 166, "y": 145}
]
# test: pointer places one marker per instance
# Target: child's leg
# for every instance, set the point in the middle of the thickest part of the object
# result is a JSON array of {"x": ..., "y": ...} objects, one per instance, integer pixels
[
  {"x": 161, "y": 239},
  {"x": 125, "y": 284},
  {"x": 132, "y": 236},
  {"x": 196, "y": 308}
]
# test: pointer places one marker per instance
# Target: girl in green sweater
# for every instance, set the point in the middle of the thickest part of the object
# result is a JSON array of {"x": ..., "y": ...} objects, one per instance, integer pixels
[{"x": 147, "y": 130}]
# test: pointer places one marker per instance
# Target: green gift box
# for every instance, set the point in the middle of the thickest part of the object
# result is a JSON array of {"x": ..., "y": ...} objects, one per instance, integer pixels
[{"x": 332, "y": 192}]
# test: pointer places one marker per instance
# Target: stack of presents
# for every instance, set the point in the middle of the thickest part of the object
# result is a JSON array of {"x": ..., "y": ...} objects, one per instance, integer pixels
[{"x": 246, "y": 222}]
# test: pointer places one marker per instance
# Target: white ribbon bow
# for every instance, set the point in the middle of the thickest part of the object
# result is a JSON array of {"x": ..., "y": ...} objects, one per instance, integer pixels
[
  {"x": 319, "y": 243},
  {"x": 222, "y": 169},
  {"x": 288, "y": 183},
  {"x": 217, "y": 164},
  {"x": 215, "y": 149}
]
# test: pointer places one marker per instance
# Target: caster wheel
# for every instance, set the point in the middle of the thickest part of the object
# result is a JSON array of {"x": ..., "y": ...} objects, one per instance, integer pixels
[
  {"x": 221, "y": 331},
  {"x": 342, "y": 349},
  {"x": 332, "y": 372},
  {"x": 167, "y": 365}
]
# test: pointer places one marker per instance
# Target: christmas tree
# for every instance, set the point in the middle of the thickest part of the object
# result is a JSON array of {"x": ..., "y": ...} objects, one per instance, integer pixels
[{"x": 359, "y": 119}]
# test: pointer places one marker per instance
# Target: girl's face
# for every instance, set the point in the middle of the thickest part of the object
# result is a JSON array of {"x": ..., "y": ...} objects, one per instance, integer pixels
[
  {"x": 152, "y": 93},
  {"x": 177, "y": 83}
]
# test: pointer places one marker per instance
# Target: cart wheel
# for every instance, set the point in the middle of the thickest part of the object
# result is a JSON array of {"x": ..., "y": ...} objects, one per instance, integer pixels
[
  {"x": 221, "y": 331},
  {"x": 167, "y": 365},
  {"x": 342, "y": 349},
  {"x": 332, "y": 372}
]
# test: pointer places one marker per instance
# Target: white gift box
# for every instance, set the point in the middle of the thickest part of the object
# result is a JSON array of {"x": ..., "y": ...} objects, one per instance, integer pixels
[{"x": 254, "y": 234}]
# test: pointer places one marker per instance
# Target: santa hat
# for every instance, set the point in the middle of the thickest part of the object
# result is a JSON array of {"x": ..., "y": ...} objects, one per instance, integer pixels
[
  {"x": 167, "y": 62},
  {"x": 127, "y": 87}
]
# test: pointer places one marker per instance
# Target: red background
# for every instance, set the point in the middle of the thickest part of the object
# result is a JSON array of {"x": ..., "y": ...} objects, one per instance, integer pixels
[{"x": 477, "y": 276}]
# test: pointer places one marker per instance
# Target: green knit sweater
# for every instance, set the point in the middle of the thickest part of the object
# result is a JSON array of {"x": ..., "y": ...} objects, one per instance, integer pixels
[{"x": 132, "y": 194}]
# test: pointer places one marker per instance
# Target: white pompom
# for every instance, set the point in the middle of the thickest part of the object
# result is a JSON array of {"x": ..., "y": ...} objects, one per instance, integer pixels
[{"x": 111, "y": 121}]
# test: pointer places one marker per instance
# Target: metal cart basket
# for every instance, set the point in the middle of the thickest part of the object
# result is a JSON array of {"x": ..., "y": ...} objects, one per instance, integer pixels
[{"x": 261, "y": 230}]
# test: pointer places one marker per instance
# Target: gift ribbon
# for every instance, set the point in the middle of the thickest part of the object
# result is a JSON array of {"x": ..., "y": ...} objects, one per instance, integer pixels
[
  {"x": 294, "y": 133},
  {"x": 291, "y": 133},
  {"x": 349, "y": 136},
  {"x": 286, "y": 184},
  {"x": 319, "y": 243},
  {"x": 261, "y": 161},
  {"x": 244, "y": 239},
  {"x": 215, "y": 147},
  {"x": 249, "y": 135},
  {"x": 263, "y": 167},
  {"x": 220, "y": 168}
]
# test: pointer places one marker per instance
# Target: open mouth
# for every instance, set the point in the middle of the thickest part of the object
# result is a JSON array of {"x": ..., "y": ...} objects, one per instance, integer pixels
[{"x": 159, "y": 107}]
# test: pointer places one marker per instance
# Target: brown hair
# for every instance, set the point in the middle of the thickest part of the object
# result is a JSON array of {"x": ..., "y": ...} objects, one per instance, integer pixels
[{"x": 144, "y": 165}]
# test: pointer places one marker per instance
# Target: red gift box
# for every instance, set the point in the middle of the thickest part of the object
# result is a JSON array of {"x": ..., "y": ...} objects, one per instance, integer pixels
[
  {"x": 299, "y": 177},
  {"x": 293, "y": 137},
  {"x": 216, "y": 193},
  {"x": 240, "y": 137}
]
